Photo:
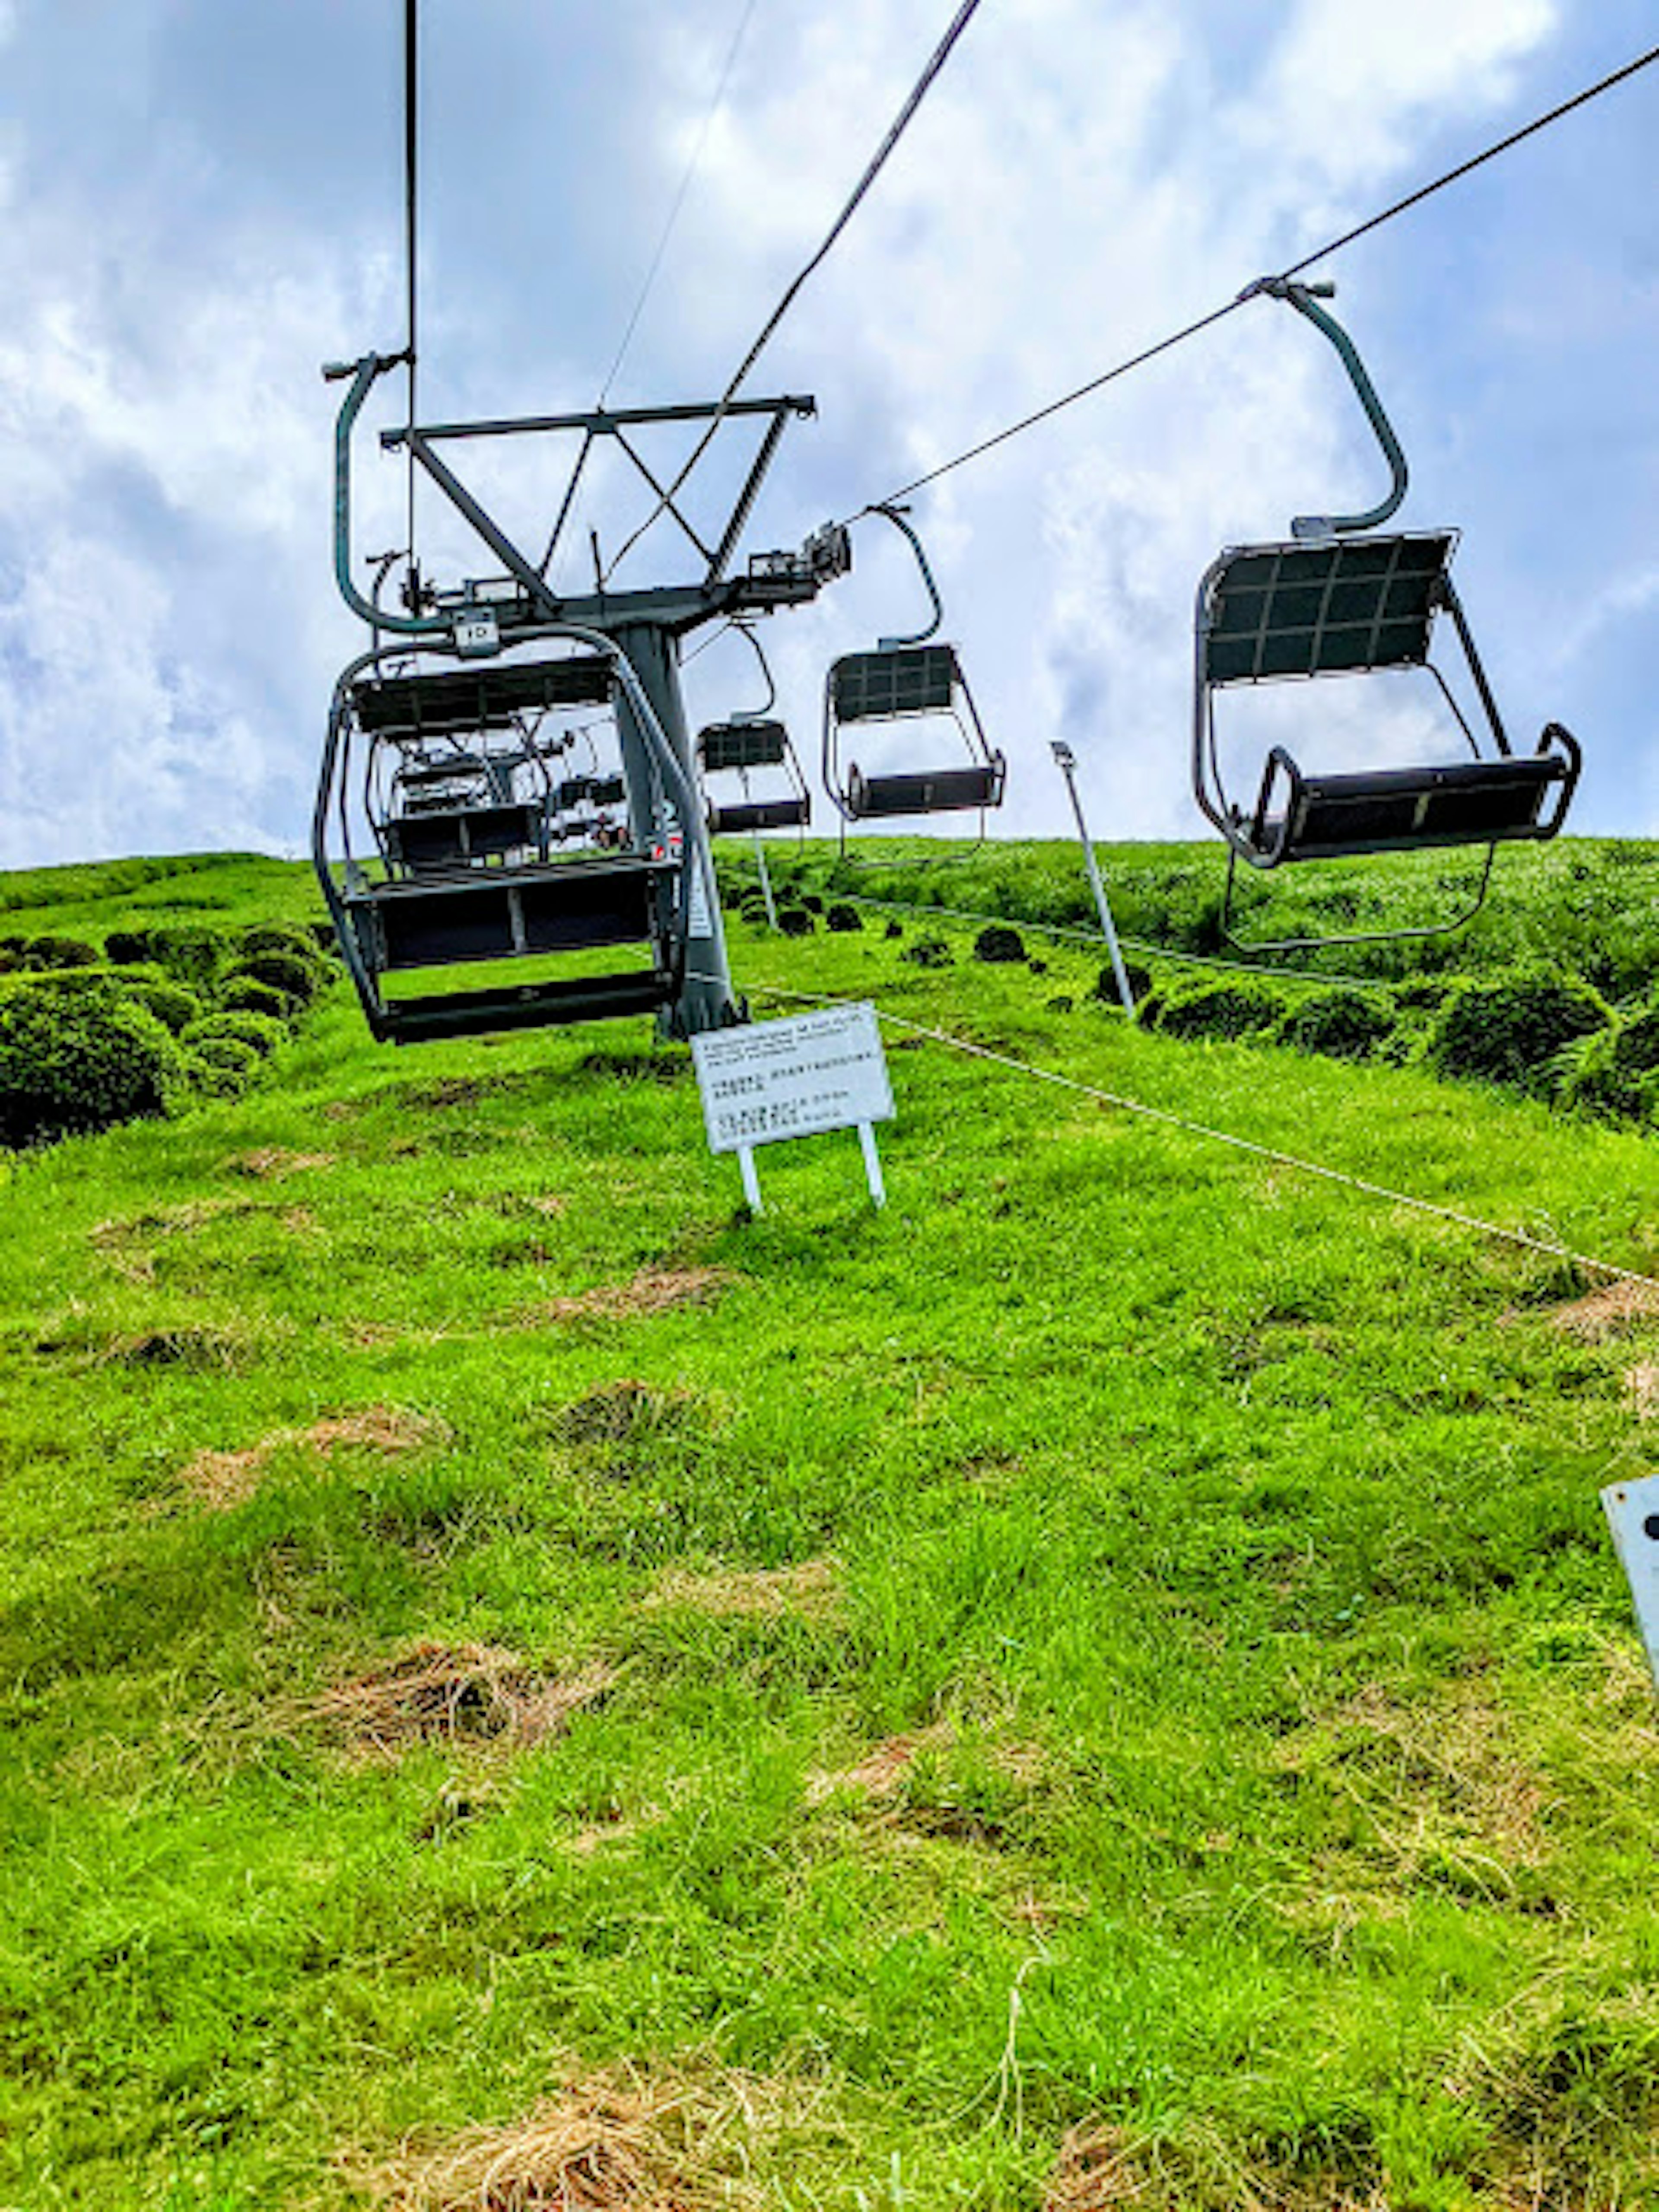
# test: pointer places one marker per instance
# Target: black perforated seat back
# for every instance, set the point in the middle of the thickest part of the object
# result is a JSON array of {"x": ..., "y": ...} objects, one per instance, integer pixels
[
  {"x": 742, "y": 744},
  {"x": 1336, "y": 607},
  {"x": 912, "y": 679}
]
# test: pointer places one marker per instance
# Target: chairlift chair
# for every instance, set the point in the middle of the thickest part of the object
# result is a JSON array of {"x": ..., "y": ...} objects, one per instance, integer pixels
[
  {"x": 907, "y": 679},
  {"x": 427, "y": 915},
  {"x": 1342, "y": 598},
  {"x": 744, "y": 743}
]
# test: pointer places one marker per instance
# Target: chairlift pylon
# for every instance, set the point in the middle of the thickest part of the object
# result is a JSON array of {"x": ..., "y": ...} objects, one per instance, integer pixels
[
  {"x": 908, "y": 680},
  {"x": 742, "y": 744},
  {"x": 1343, "y": 599}
]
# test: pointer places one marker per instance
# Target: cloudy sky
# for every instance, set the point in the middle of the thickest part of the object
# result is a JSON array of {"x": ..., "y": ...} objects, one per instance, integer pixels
[{"x": 200, "y": 202}]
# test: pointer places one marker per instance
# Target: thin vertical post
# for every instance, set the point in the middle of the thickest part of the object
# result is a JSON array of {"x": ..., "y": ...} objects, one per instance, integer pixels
[
  {"x": 765, "y": 881},
  {"x": 1068, "y": 760}
]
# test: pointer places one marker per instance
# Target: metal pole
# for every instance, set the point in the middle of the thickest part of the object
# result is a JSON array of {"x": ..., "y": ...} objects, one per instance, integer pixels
[
  {"x": 707, "y": 1000},
  {"x": 765, "y": 882},
  {"x": 1068, "y": 760}
]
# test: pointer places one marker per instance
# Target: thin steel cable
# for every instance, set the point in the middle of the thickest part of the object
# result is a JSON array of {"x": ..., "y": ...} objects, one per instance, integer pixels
[
  {"x": 691, "y": 168},
  {"x": 411, "y": 212},
  {"x": 1270, "y": 1152},
  {"x": 896, "y": 130},
  {"x": 1320, "y": 253}
]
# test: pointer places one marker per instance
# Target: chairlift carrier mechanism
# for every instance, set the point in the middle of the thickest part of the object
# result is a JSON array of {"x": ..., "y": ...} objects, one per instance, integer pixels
[
  {"x": 907, "y": 679},
  {"x": 459, "y": 681},
  {"x": 1342, "y": 598}
]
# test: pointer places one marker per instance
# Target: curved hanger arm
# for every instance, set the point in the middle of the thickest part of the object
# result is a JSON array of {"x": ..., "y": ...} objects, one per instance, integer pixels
[
  {"x": 364, "y": 374},
  {"x": 895, "y": 515},
  {"x": 1304, "y": 298},
  {"x": 758, "y": 713}
]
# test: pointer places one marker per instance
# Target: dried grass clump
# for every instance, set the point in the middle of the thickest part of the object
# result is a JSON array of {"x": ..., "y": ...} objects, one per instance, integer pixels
[
  {"x": 608, "y": 2144},
  {"x": 1643, "y": 1383},
  {"x": 652, "y": 1291},
  {"x": 1106, "y": 2169},
  {"x": 880, "y": 1773},
  {"x": 443, "y": 1693},
  {"x": 270, "y": 1163},
  {"x": 1616, "y": 1307},
  {"x": 225, "y": 1478},
  {"x": 811, "y": 1590}
]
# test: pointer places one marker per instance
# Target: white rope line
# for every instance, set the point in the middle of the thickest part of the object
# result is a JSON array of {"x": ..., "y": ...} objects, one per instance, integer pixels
[
  {"x": 1092, "y": 937},
  {"x": 1240, "y": 1144}
]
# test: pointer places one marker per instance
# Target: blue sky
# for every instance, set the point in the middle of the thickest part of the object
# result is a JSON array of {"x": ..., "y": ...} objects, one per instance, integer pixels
[{"x": 199, "y": 203}]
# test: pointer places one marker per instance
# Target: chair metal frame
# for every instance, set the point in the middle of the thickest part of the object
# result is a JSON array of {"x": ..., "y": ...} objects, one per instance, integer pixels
[
  {"x": 909, "y": 679},
  {"x": 1362, "y": 603}
]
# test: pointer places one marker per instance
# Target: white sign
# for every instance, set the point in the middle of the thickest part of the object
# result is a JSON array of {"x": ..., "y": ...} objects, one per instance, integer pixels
[
  {"x": 795, "y": 1077},
  {"x": 1632, "y": 1510},
  {"x": 477, "y": 632}
]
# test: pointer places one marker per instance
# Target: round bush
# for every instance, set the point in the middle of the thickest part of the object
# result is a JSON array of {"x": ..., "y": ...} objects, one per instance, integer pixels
[
  {"x": 188, "y": 951},
  {"x": 928, "y": 952},
  {"x": 277, "y": 936},
  {"x": 1345, "y": 1023},
  {"x": 1216, "y": 1009},
  {"x": 297, "y": 976},
  {"x": 246, "y": 994},
  {"x": 1000, "y": 946},
  {"x": 1510, "y": 1029},
  {"x": 1636, "y": 1047},
  {"x": 76, "y": 1060},
  {"x": 1140, "y": 982},
  {"x": 221, "y": 1066},
  {"x": 125, "y": 946},
  {"x": 173, "y": 1003},
  {"x": 1588, "y": 1076},
  {"x": 795, "y": 921},
  {"x": 258, "y": 1031},
  {"x": 843, "y": 919},
  {"x": 46, "y": 952}
]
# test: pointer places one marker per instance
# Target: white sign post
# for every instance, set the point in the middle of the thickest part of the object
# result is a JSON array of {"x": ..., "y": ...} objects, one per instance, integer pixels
[{"x": 795, "y": 1077}]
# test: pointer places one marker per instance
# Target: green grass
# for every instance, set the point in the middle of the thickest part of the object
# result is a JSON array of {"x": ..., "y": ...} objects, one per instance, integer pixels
[{"x": 1215, "y": 1576}]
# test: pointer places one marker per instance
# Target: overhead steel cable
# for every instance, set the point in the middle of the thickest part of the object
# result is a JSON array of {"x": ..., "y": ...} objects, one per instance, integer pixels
[
  {"x": 896, "y": 130},
  {"x": 668, "y": 228},
  {"x": 411, "y": 211},
  {"x": 1320, "y": 253}
]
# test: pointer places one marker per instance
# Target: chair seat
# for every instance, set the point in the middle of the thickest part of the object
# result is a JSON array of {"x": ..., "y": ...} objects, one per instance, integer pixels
[
  {"x": 791, "y": 814},
  {"x": 454, "y": 701},
  {"x": 1400, "y": 809},
  {"x": 928, "y": 790},
  {"x": 563, "y": 906}
]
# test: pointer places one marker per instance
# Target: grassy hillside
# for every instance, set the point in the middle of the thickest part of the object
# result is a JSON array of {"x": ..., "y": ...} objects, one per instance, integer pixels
[{"x": 1103, "y": 1685}]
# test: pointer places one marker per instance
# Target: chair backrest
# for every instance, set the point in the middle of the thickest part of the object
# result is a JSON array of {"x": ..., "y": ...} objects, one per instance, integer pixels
[
  {"x": 915, "y": 679},
  {"x": 1338, "y": 607},
  {"x": 742, "y": 744}
]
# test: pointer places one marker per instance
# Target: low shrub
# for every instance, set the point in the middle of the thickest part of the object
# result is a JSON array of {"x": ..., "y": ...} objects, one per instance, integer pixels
[
  {"x": 297, "y": 976},
  {"x": 125, "y": 947},
  {"x": 1636, "y": 1046},
  {"x": 1510, "y": 1028},
  {"x": 223, "y": 1066},
  {"x": 190, "y": 952},
  {"x": 246, "y": 994},
  {"x": 175, "y": 1005},
  {"x": 73, "y": 1061},
  {"x": 1140, "y": 981},
  {"x": 928, "y": 952},
  {"x": 1000, "y": 946},
  {"x": 1226, "y": 1010},
  {"x": 795, "y": 921},
  {"x": 843, "y": 919},
  {"x": 48, "y": 952},
  {"x": 1345, "y": 1023},
  {"x": 258, "y": 1031}
]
